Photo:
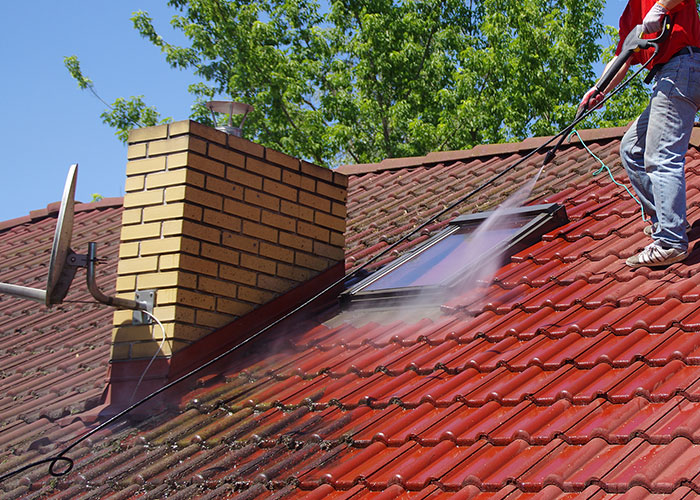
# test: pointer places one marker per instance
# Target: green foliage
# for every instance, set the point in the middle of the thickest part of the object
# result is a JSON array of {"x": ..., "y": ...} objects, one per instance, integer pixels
[
  {"x": 363, "y": 80},
  {"x": 123, "y": 114},
  {"x": 96, "y": 197}
]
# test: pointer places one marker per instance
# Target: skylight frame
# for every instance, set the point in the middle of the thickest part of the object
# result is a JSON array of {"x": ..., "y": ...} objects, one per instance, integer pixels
[{"x": 543, "y": 219}]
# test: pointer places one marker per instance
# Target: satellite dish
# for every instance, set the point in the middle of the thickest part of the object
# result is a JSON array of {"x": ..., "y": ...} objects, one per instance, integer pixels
[{"x": 63, "y": 263}]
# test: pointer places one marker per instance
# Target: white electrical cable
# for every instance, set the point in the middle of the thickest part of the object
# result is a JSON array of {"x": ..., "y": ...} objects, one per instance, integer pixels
[{"x": 160, "y": 348}]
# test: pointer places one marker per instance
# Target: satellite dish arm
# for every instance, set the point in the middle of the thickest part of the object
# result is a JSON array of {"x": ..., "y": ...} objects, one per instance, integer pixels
[
  {"x": 97, "y": 293},
  {"x": 35, "y": 294}
]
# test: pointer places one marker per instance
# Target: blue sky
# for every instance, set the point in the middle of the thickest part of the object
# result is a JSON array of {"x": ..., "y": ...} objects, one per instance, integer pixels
[{"x": 49, "y": 123}]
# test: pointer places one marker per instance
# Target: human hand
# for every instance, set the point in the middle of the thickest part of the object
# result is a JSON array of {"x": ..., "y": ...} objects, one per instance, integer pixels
[{"x": 591, "y": 100}]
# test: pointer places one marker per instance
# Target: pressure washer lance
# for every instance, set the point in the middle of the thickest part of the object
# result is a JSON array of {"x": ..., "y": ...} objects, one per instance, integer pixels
[
  {"x": 634, "y": 42},
  {"x": 61, "y": 457}
]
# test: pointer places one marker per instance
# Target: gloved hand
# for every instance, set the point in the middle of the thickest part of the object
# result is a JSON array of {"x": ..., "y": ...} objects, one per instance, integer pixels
[
  {"x": 591, "y": 100},
  {"x": 654, "y": 19}
]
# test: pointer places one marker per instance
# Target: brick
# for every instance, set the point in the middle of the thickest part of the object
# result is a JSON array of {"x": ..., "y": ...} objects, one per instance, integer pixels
[
  {"x": 186, "y": 333},
  {"x": 313, "y": 231},
  {"x": 255, "y": 295},
  {"x": 227, "y": 156},
  {"x": 127, "y": 250},
  {"x": 196, "y": 300},
  {"x": 206, "y": 165},
  {"x": 316, "y": 202},
  {"x": 120, "y": 351},
  {"x": 191, "y": 230},
  {"x": 207, "y": 132},
  {"x": 308, "y": 184},
  {"x": 240, "y": 242},
  {"x": 279, "y": 221},
  {"x": 166, "y": 279},
  {"x": 246, "y": 146},
  {"x": 213, "y": 319},
  {"x": 282, "y": 159},
  {"x": 146, "y": 350},
  {"x": 340, "y": 179},
  {"x": 174, "y": 313},
  {"x": 178, "y": 128},
  {"x": 137, "y": 265},
  {"x": 244, "y": 178},
  {"x": 237, "y": 275},
  {"x": 140, "y": 231},
  {"x": 135, "y": 183},
  {"x": 200, "y": 197},
  {"x": 337, "y": 239},
  {"x": 132, "y": 216},
  {"x": 175, "y": 193},
  {"x": 174, "y": 178},
  {"x": 126, "y": 283},
  {"x": 242, "y": 210},
  {"x": 226, "y": 188},
  {"x": 334, "y": 192},
  {"x": 122, "y": 317},
  {"x": 316, "y": 171},
  {"x": 181, "y": 143},
  {"x": 280, "y": 190},
  {"x": 172, "y": 211},
  {"x": 330, "y": 221},
  {"x": 274, "y": 284},
  {"x": 312, "y": 262},
  {"x": 332, "y": 252},
  {"x": 170, "y": 245},
  {"x": 188, "y": 263},
  {"x": 148, "y": 133},
  {"x": 136, "y": 151},
  {"x": 295, "y": 273},
  {"x": 262, "y": 200},
  {"x": 220, "y": 254},
  {"x": 222, "y": 220},
  {"x": 263, "y": 168},
  {"x": 296, "y": 242},
  {"x": 276, "y": 252},
  {"x": 291, "y": 178},
  {"x": 259, "y": 231},
  {"x": 257, "y": 264},
  {"x": 232, "y": 307},
  {"x": 297, "y": 211},
  {"x": 339, "y": 210},
  {"x": 145, "y": 166},
  {"x": 217, "y": 287},
  {"x": 143, "y": 198}
]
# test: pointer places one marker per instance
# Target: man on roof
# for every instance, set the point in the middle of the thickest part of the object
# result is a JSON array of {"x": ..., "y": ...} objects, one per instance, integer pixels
[{"x": 653, "y": 149}]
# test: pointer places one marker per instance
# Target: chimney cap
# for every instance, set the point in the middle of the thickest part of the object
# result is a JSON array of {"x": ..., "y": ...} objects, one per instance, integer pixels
[{"x": 230, "y": 108}]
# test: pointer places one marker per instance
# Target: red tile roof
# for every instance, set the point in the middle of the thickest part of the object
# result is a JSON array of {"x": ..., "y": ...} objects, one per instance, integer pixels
[{"x": 573, "y": 377}]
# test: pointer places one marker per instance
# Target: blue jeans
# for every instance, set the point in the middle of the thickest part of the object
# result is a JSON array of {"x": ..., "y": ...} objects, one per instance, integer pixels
[{"x": 653, "y": 149}]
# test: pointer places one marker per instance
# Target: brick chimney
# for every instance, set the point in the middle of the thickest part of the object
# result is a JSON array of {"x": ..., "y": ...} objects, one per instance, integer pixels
[{"x": 219, "y": 226}]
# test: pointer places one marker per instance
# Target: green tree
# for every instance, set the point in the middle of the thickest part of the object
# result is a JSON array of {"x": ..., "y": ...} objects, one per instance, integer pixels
[{"x": 363, "y": 80}]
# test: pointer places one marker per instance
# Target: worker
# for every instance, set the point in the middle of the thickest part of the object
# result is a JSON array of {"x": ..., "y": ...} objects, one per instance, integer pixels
[{"x": 653, "y": 149}]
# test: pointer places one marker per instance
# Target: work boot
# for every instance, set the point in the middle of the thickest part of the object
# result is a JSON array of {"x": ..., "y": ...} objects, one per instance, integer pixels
[
  {"x": 650, "y": 228},
  {"x": 654, "y": 255}
]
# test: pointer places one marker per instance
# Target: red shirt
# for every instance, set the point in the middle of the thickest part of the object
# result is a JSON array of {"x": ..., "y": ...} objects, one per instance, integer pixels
[{"x": 685, "y": 31}]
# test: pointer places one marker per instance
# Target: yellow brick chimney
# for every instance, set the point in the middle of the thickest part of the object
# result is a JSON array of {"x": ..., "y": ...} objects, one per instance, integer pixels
[{"x": 218, "y": 226}]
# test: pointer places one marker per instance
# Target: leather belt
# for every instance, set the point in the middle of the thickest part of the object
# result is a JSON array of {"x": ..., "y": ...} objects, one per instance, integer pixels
[{"x": 688, "y": 50}]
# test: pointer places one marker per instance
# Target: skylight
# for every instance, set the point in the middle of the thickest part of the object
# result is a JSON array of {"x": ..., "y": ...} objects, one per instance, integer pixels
[{"x": 467, "y": 243}]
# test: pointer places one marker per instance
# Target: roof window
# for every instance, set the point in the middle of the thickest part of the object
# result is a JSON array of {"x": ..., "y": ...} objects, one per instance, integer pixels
[{"x": 469, "y": 242}]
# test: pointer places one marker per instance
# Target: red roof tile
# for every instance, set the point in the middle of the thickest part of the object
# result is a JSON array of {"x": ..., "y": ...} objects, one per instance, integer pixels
[{"x": 573, "y": 376}]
